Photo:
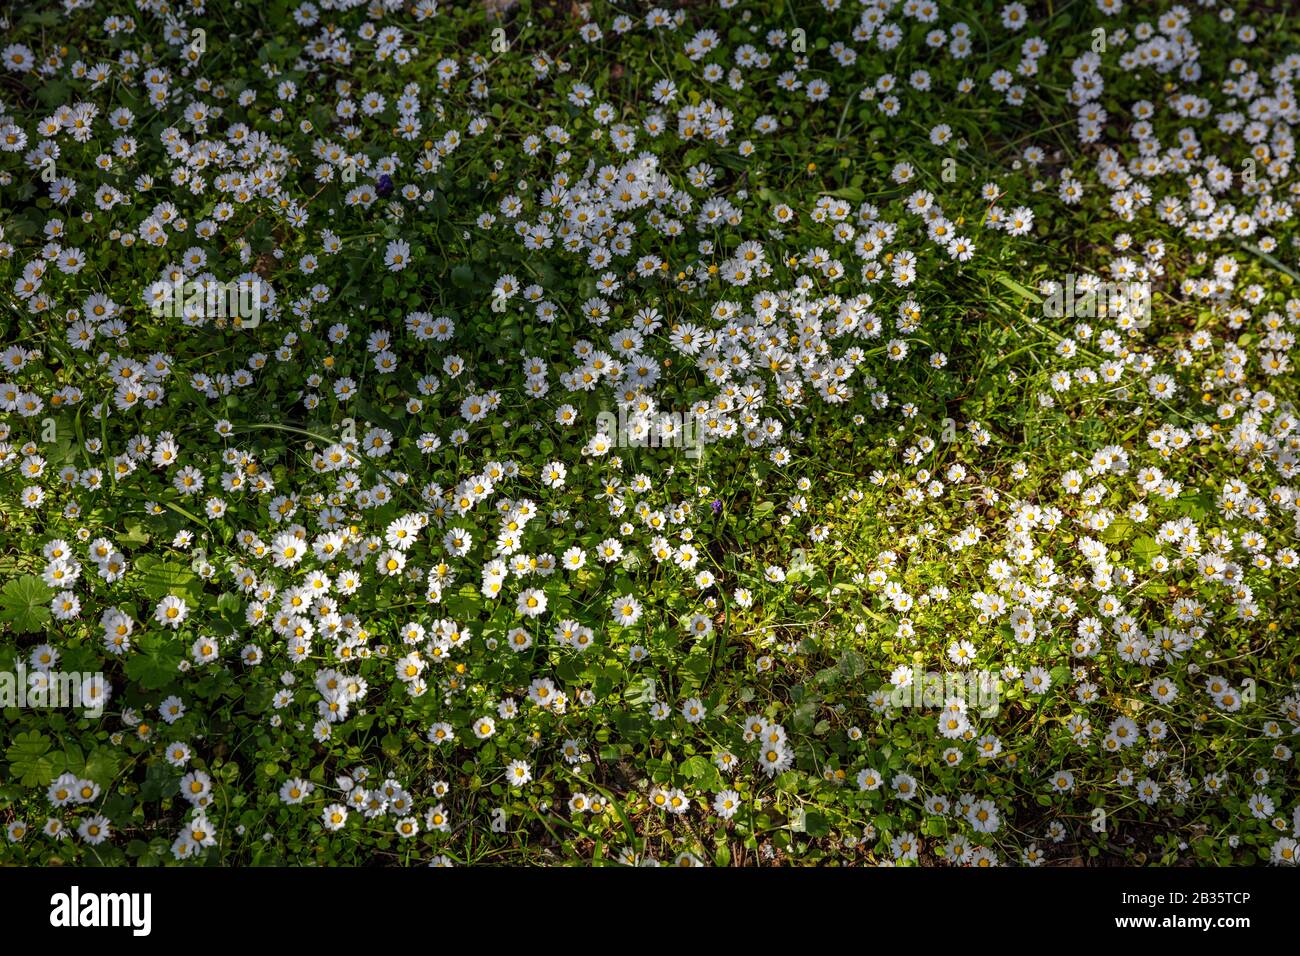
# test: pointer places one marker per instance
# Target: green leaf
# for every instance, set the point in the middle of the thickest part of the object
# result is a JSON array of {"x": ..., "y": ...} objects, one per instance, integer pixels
[
  {"x": 805, "y": 716},
  {"x": 159, "y": 781},
  {"x": 257, "y": 699},
  {"x": 154, "y": 665},
  {"x": 695, "y": 767},
  {"x": 1018, "y": 289},
  {"x": 23, "y": 604},
  {"x": 1117, "y": 531},
  {"x": 45, "y": 18},
  {"x": 73, "y": 760},
  {"x": 1144, "y": 549},
  {"x": 102, "y": 766},
  {"x": 851, "y": 193},
  {"x": 815, "y": 824},
  {"x": 228, "y": 608},
  {"x": 28, "y": 760},
  {"x": 136, "y": 534},
  {"x": 377, "y": 416},
  {"x": 1197, "y": 506},
  {"x": 160, "y": 578},
  {"x": 934, "y": 826}
]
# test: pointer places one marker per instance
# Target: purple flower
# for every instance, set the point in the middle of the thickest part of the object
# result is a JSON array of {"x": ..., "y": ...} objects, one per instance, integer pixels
[
  {"x": 717, "y": 506},
  {"x": 385, "y": 186}
]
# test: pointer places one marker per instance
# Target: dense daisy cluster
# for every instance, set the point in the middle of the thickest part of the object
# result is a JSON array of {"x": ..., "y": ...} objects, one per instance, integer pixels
[{"x": 732, "y": 432}]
